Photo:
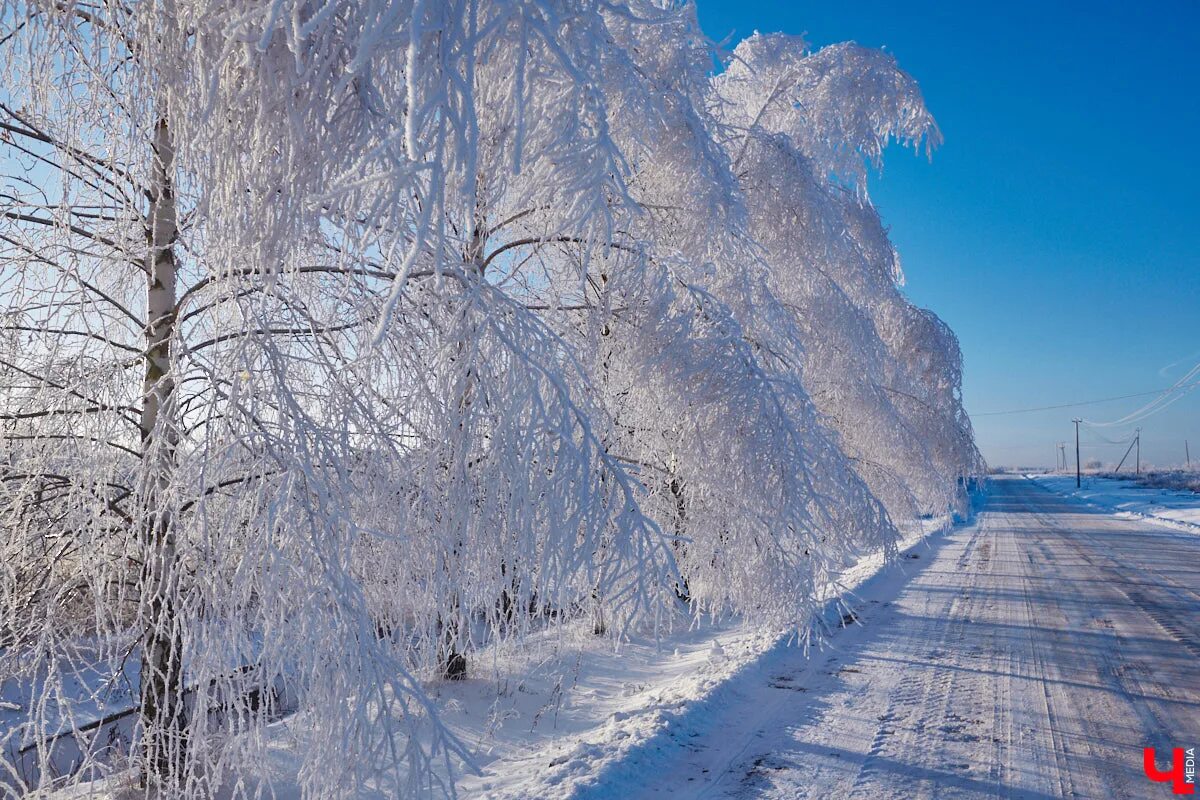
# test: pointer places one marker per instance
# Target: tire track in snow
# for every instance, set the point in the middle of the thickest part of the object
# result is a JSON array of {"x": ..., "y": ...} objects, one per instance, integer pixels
[
  {"x": 907, "y": 703},
  {"x": 1033, "y": 657}
]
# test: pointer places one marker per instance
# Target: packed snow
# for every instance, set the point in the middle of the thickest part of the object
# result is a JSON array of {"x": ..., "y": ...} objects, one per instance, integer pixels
[
  {"x": 1033, "y": 654},
  {"x": 1126, "y": 497}
]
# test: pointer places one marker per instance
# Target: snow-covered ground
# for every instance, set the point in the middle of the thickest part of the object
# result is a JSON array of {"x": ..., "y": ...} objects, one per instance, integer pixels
[
  {"x": 590, "y": 722},
  {"x": 568, "y": 716},
  {"x": 1032, "y": 655},
  {"x": 1179, "y": 508}
]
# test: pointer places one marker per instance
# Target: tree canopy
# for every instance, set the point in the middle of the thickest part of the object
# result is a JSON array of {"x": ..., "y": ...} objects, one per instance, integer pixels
[{"x": 340, "y": 339}]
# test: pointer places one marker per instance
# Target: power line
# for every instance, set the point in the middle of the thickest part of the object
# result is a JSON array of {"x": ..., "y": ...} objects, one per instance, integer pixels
[
  {"x": 1104, "y": 439},
  {"x": 1083, "y": 402},
  {"x": 1165, "y": 399}
]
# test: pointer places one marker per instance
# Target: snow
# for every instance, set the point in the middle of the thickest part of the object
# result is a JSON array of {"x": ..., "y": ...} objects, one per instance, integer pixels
[
  {"x": 567, "y": 715},
  {"x": 587, "y": 721},
  {"x": 1025, "y": 650},
  {"x": 947, "y": 683},
  {"x": 623, "y": 711},
  {"x": 1033, "y": 655},
  {"x": 1180, "y": 509}
]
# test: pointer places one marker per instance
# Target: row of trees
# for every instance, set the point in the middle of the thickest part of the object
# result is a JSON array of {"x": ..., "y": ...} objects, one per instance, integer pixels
[{"x": 339, "y": 339}]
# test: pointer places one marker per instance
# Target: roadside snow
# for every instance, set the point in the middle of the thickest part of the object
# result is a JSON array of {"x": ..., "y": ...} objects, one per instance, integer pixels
[
  {"x": 622, "y": 712},
  {"x": 1031, "y": 655},
  {"x": 568, "y": 716},
  {"x": 1176, "y": 509}
]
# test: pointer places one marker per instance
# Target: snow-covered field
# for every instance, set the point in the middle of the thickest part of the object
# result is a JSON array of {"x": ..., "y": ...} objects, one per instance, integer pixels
[
  {"x": 1033, "y": 652},
  {"x": 1128, "y": 498}
]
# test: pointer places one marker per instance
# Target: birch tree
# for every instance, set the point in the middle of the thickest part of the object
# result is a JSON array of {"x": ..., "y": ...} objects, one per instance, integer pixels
[
  {"x": 330, "y": 386},
  {"x": 342, "y": 341},
  {"x": 812, "y": 125}
]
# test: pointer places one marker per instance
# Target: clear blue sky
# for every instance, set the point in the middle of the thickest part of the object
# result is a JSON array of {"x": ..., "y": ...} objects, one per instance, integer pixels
[{"x": 1057, "y": 229}]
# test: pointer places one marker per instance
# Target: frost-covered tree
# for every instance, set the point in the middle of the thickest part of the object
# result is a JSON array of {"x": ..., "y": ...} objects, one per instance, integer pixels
[
  {"x": 274, "y": 432},
  {"x": 341, "y": 340},
  {"x": 761, "y": 506},
  {"x": 809, "y": 126}
]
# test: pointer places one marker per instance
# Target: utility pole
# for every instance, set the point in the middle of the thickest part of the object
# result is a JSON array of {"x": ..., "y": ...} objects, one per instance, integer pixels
[
  {"x": 1187, "y": 454},
  {"x": 1078, "y": 470},
  {"x": 1138, "y": 442},
  {"x": 1128, "y": 450}
]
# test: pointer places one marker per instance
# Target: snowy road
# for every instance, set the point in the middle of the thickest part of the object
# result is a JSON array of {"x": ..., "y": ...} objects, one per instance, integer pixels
[{"x": 1032, "y": 655}]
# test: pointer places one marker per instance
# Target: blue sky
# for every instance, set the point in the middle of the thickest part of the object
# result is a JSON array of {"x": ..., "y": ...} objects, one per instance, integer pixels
[{"x": 1057, "y": 229}]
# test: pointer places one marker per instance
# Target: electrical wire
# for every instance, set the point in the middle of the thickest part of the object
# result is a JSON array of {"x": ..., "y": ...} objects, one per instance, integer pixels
[
  {"x": 1165, "y": 399},
  {"x": 1104, "y": 439},
  {"x": 1190, "y": 386}
]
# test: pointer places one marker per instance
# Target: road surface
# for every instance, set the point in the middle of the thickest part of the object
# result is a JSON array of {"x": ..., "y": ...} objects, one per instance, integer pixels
[{"x": 1031, "y": 655}]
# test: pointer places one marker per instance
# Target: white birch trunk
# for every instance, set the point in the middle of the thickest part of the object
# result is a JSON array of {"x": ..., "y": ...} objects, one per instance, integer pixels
[{"x": 162, "y": 671}]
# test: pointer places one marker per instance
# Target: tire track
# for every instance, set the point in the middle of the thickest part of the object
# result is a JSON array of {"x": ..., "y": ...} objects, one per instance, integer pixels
[{"x": 1032, "y": 657}]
